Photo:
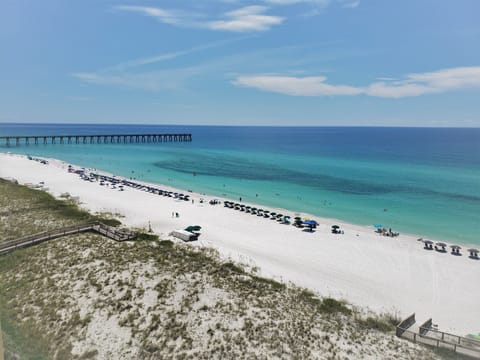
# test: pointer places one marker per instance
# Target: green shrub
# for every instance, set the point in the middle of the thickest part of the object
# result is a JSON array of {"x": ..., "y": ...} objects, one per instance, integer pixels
[
  {"x": 230, "y": 267},
  {"x": 147, "y": 237},
  {"x": 374, "y": 323},
  {"x": 332, "y": 306},
  {"x": 166, "y": 243},
  {"x": 275, "y": 285},
  {"x": 108, "y": 221}
]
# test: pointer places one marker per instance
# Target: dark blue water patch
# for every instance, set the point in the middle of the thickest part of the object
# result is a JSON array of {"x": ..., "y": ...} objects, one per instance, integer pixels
[
  {"x": 248, "y": 169},
  {"x": 236, "y": 168}
]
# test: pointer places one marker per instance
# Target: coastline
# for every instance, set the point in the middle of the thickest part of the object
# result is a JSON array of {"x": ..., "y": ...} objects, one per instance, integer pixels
[{"x": 383, "y": 273}]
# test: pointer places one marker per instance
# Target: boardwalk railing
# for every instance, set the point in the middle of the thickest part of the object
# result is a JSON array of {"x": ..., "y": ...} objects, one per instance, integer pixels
[
  {"x": 108, "y": 231},
  {"x": 439, "y": 339},
  {"x": 92, "y": 139}
]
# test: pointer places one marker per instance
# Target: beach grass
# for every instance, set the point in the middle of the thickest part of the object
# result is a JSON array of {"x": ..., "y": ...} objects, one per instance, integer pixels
[
  {"x": 25, "y": 211},
  {"x": 84, "y": 297}
]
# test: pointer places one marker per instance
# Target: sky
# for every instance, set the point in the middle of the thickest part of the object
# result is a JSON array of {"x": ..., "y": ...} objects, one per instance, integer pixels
[{"x": 241, "y": 62}]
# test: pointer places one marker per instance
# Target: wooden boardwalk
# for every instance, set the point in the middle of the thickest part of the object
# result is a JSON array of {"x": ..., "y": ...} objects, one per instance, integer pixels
[
  {"x": 426, "y": 334},
  {"x": 17, "y": 140},
  {"x": 108, "y": 231}
]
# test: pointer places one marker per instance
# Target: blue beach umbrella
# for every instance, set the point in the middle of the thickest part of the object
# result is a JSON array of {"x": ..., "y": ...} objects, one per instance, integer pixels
[
  {"x": 310, "y": 223},
  {"x": 378, "y": 226}
]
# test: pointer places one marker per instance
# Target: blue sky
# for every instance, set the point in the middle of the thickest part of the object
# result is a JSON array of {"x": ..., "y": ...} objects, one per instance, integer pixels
[{"x": 241, "y": 62}]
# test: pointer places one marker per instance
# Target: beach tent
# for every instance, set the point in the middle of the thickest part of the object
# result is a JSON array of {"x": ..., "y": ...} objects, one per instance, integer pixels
[
  {"x": 473, "y": 253},
  {"x": 455, "y": 249},
  {"x": 428, "y": 244},
  {"x": 193, "y": 228},
  {"x": 377, "y": 226},
  {"x": 441, "y": 245}
]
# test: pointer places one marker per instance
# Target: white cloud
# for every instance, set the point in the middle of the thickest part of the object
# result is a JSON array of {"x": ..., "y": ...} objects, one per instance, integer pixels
[
  {"x": 249, "y": 18},
  {"x": 296, "y": 86},
  {"x": 165, "y": 16},
  {"x": 350, "y": 3},
  {"x": 415, "y": 84}
]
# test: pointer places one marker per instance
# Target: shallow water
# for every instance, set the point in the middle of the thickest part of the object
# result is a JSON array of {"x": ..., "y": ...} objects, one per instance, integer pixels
[{"x": 418, "y": 180}]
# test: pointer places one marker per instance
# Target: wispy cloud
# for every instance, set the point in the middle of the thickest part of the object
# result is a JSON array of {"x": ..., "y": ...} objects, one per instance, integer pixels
[
  {"x": 126, "y": 74},
  {"x": 415, "y": 84},
  {"x": 151, "y": 81},
  {"x": 350, "y": 3},
  {"x": 317, "y": 3},
  {"x": 169, "y": 56},
  {"x": 248, "y": 18},
  {"x": 171, "y": 17}
]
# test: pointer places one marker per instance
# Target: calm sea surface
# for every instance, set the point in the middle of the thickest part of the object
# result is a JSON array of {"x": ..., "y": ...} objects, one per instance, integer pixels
[{"x": 422, "y": 181}]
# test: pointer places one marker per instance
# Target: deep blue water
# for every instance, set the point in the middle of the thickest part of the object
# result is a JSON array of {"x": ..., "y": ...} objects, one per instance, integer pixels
[{"x": 424, "y": 181}]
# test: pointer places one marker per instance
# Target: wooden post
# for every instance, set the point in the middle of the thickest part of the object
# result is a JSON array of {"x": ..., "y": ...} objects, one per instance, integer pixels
[{"x": 1, "y": 343}]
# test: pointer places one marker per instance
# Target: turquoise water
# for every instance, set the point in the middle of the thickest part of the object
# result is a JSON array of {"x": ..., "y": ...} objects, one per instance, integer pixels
[{"x": 415, "y": 180}]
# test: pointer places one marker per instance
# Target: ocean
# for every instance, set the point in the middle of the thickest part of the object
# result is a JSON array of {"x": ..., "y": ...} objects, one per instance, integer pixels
[{"x": 423, "y": 181}]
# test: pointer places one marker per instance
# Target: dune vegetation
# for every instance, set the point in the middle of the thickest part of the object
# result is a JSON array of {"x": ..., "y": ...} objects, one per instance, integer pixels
[{"x": 87, "y": 297}]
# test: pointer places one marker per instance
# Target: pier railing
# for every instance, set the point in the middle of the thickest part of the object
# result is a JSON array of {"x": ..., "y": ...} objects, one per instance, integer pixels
[
  {"x": 17, "y": 140},
  {"x": 427, "y": 335},
  {"x": 108, "y": 231}
]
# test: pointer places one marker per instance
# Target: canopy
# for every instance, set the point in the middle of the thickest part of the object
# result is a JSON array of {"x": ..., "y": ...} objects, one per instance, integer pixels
[
  {"x": 473, "y": 251},
  {"x": 335, "y": 227},
  {"x": 455, "y": 247},
  {"x": 310, "y": 222},
  {"x": 378, "y": 226},
  {"x": 441, "y": 244},
  {"x": 193, "y": 228}
]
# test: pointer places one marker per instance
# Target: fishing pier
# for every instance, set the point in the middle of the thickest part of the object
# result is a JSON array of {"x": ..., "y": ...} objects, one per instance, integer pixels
[{"x": 93, "y": 139}]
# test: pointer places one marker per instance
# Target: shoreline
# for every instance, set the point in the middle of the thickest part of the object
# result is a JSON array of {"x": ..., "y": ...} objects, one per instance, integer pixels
[{"x": 378, "y": 272}]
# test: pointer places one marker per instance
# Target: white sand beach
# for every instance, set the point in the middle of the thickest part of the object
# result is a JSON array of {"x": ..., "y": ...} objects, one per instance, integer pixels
[{"x": 384, "y": 274}]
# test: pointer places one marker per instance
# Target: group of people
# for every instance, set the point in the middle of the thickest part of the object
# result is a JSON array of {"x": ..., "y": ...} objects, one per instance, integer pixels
[{"x": 386, "y": 232}]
